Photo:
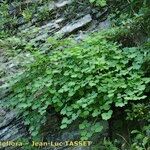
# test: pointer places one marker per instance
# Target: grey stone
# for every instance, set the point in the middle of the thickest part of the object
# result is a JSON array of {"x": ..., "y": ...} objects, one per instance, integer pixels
[
  {"x": 63, "y": 3},
  {"x": 51, "y": 24},
  {"x": 68, "y": 29},
  {"x": 45, "y": 30},
  {"x": 40, "y": 37},
  {"x": 105, "y": 24},
  {"x": 13, "y": 131},
  {"x": 6, "y": 117},
  {"x": 52, "y": 6}
]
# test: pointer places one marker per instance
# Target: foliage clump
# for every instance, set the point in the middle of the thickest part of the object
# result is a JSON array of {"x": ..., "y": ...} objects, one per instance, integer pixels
[
  {"x": 99, "y": 2},
  {"x": 85, "y": 81},
  {"x": 82, "y": 81}
]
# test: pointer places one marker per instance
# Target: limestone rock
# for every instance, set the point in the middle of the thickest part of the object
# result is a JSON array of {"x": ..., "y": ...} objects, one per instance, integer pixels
[
  {"x": 78, "y": 24},
  {"x": 6, "y": 117},
  {"x": 63, "y": 3}
]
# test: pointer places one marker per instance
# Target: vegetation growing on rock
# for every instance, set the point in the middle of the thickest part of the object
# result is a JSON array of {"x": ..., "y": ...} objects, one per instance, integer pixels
[{"x": 90, "y": 80}]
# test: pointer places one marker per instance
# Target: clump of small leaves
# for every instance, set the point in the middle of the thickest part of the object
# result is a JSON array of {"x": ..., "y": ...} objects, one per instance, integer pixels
[
  {"x": 82, "y": 81},
  {"x": 101, "y": 3}
]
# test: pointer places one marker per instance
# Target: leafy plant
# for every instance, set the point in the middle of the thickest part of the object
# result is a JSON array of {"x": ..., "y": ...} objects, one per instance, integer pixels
[
  {"x": 139, "y": 112},
  {"x": 99, "y": 2},
  {"x": 141, "y": 135},
  {"x": 141, "y": 140},
  {"x": 80, "y": 82},
  {"x": 109, "y": 145},
  {"x": 27, "y": 14},
  {"x": 84, "y": 81}
]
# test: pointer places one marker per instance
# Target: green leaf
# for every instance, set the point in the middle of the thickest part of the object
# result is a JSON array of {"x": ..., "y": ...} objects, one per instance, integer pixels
[
  {"x": 81, "y": 126},
  {"x": 145, "y": 141},
  {"x": 86, "y": 113},
  {"x": 106, "y": 116},
  {"x": 65, "y": 120},
  {"x": 63, "y": 126},
  {"x": 99, "y": 129},
  {"x": 91, "y": 83},
  {"x": 63, "y": 111},
  {"x": 84, "y": 105},
  {"x": 96, "y": 113},
  {"x": 71, "y": 83},
  {"x": 74, "y": 116},
  {"x": 69, "y": 108},
  {"x": 119, "y": 104},
  {"x": 92, "y": 1},
  {"x": 22, "y": 105},
  {"x": 74, "y": 76}
]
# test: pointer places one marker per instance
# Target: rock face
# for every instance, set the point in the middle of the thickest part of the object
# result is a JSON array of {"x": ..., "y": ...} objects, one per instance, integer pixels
[
  {"x": 67, "y": 17},
  {"x": 68, "y": 29},
  {"x": 11, "y": 127}
]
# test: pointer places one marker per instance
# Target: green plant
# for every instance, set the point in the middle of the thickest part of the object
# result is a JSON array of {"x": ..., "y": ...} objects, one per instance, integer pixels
[
  {"x": 5, "y": 17},
  {"x": 105, "y": 144},
  {"x": 109, "y": 145},
  {"x": 84, "y": 81},
  {"x": 27, "y": 14},
  {"x": 139, "y": 112},
  {"x": 140, "y": 136},
  {"x": 141, "y": 140},
  {"x": 99, "y": 2},
  {"x": 80, "y": 82}
]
